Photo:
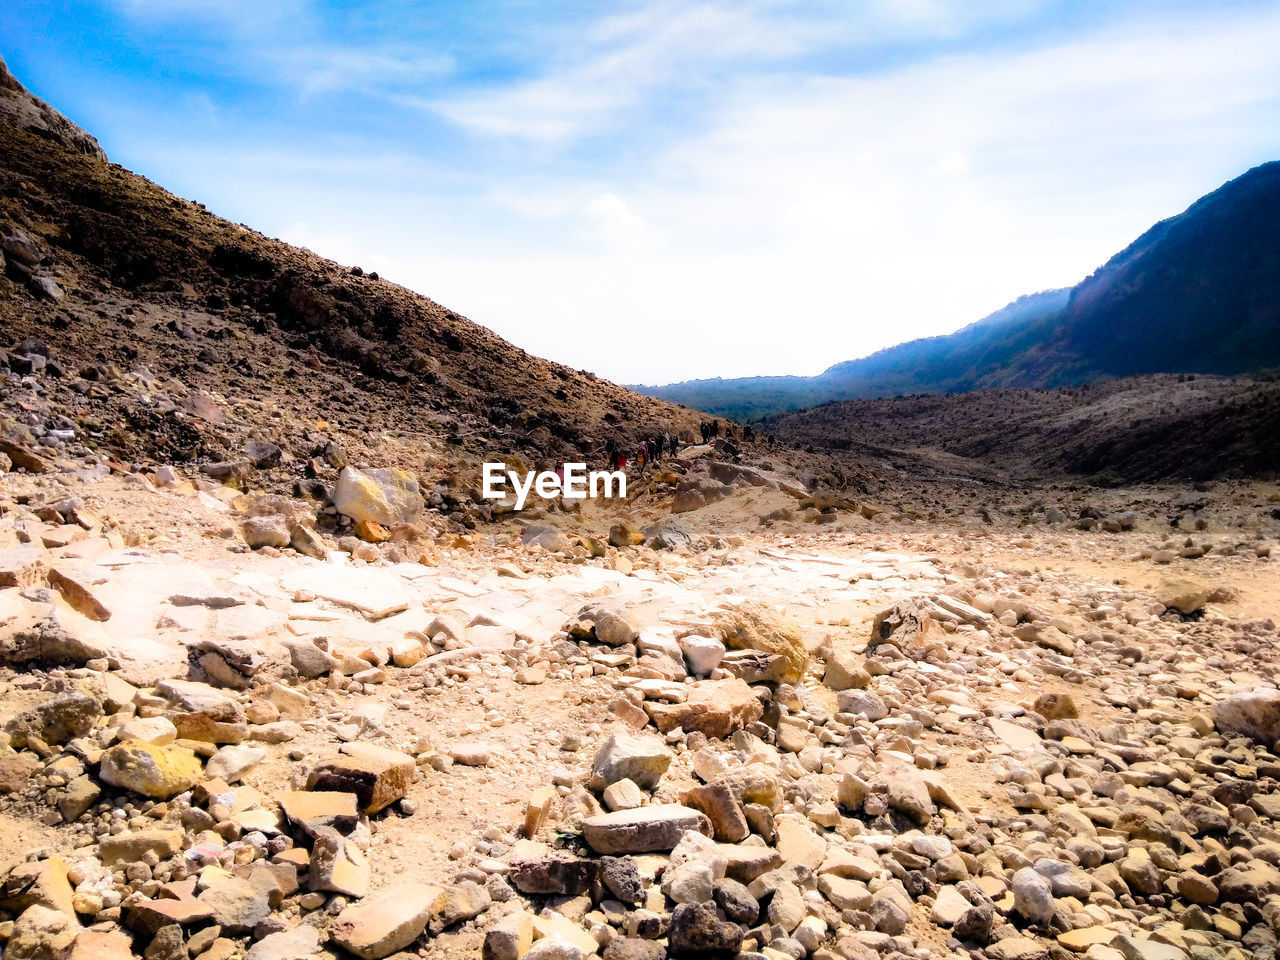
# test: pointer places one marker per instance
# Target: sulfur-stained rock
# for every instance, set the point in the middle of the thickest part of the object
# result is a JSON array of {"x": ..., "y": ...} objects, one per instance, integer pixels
[
  {"x": 388, "y": 496},
  {"x": 154, "y": 771},
  {"x": 754, "y": 626}
]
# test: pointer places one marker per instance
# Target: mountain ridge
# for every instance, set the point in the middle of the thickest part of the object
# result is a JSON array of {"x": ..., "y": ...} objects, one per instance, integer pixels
[
  {"x": 106, "y": 271},
  {"x": 1198, "y": 292}
]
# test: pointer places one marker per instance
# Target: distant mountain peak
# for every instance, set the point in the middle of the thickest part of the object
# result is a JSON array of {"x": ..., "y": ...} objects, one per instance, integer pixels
[{"x": 1198, "y": 292}]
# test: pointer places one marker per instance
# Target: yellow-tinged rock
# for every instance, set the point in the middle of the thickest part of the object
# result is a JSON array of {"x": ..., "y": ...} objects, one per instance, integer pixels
[
  {"x": 153, "y": 770},
  {"x": 389, "y": 496},
  {"x": 753, "y": 626},
  {"x": 371, "y": 531}
]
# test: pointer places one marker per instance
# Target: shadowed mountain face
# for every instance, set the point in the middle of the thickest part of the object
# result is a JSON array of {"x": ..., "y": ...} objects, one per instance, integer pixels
[
  {"x": 112, "y": 272},
  {"x": 1129, "y": 430},
  {"x": 1197, "y": 293}
]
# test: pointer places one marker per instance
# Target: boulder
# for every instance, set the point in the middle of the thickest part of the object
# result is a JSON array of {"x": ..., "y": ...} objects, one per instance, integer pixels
[
  {"x": 378, "y": 776},
  {"x": 318, "y": 810},
  {"x": 55, "y": 721},
  {"x": 697, "y": 930},
  {"x": 387, "y": 496},
  {"x": 612, "y": 626},
  {"x": 1185, "y": 596},
  {"x": 236, "y": 904},
  {"x": 152, "y": 770},
  {"x": 645, "y": 829},
  {"x": 625, "y": 535},
  {"x": 338, "y": 865},
  {"x": 266, "y": 532},
  {"x": 640, "y": 758},
  {"x": 845, "y": 672},
  {"x": 754, "y": 626},
  {"x": 42, "y": 934},
  {"x": 694, "y": 493},
  {"x": 78, "y": 596},
  {"x": 701, "y": 654},
  {"x": 388, "y": 922},
  {"x": 1254, "y": 714},
  {"x": 1032, "y": 896},
  {"x": 129, "y": 847},
  {"x": 234, "y": 761},
  {"x": 301, "y": 942},
  {"x": 510, "y": 938},
  {"x": 716, "y": 708}
]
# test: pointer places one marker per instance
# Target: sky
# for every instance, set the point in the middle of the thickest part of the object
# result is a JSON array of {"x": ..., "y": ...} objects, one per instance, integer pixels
[{"x": 658, "y": 191}]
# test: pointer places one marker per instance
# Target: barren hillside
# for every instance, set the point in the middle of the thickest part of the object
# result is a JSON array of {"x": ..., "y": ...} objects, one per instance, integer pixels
[
  {"x": 116, "y": 275},
  {"x": 1143, "y": 429}
]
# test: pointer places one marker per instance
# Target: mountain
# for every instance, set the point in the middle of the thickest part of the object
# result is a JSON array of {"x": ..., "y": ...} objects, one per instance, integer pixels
[
  {"x": 145, "y": 302},
  {"x": 1197, "y": 293}
]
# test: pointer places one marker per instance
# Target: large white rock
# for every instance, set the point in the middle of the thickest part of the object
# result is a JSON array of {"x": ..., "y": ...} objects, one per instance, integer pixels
[
  {"x": 388, "y": 496},
  {"x": 1254, "y": 714}
]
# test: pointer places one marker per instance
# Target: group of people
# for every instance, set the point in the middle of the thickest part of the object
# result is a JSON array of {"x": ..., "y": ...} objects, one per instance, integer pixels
[
  {"x": 711, "y": 429},
  {"x": 652, "y": 450},
  {"x": 649, "y": 451}
]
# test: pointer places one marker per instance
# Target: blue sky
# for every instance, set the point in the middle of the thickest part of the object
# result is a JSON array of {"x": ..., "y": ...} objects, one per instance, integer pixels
[{"x": 663, "y": 190}]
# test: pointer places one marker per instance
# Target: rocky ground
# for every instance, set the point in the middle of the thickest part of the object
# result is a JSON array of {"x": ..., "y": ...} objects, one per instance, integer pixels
[{"x": 773, "y": 723}]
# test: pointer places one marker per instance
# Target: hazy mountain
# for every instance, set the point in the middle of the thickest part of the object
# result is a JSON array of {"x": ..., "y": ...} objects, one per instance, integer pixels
[{"x": 1197, "y": 293}]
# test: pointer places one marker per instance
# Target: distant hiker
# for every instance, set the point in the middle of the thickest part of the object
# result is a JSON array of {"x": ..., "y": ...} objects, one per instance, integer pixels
[
  {"x": 705, "y": 427},
  {"x": 748, "y": 433},
  {"x": 715, "y": 428}
]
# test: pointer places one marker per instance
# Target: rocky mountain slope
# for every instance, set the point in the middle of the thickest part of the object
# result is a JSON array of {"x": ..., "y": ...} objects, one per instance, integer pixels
[
  {"x": 1197, "y": 293},
  {"x": 116, "y": 278},
  {"x": 1132, "y": 430}
]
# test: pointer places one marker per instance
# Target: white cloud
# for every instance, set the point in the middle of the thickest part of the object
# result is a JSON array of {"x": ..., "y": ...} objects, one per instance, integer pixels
[
  {"x": 819, "y": 218},
  {"x": 674, "y": 44}
]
